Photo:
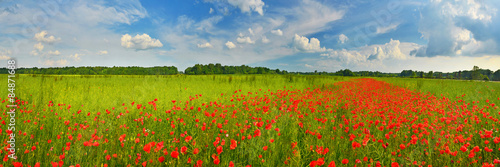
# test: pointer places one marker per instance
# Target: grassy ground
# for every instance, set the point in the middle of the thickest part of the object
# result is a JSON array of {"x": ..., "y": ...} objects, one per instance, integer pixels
[
  {"x": 102, "y": 92},
  {"x": 471, "y": 90},
  {"x": 258, "y": 120}
]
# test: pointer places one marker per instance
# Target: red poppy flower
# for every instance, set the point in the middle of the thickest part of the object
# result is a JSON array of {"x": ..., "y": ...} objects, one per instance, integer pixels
[{"x": 174, "y": 154}]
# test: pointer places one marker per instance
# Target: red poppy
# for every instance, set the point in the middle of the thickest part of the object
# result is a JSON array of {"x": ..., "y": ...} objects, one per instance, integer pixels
[
  {"x": 332, "y": 164},
  {"x": 174, "y": 154},
  {"x": 219, "y": 149}
]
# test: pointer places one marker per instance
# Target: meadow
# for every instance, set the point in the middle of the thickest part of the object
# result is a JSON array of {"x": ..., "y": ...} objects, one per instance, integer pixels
[{"x": 256, "y": 120}]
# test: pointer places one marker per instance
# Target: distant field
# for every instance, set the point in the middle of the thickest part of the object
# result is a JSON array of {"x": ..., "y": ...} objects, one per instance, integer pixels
[
  {"x": 102, "y": 92},
  {"x": 257, "y": 120},
  {"x": 472, "y": 90}
]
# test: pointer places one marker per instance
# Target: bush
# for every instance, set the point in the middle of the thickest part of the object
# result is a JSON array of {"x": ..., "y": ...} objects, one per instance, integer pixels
[{"x": 486, "y": 78}]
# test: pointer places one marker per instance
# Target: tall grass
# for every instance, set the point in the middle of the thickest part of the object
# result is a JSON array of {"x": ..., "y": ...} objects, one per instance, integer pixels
[
  {"x": 470, "y": 90},
  {"x": 102, "y": 91}
]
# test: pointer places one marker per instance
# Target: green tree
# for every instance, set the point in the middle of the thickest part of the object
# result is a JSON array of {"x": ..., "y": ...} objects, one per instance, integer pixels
[
  {"x": 475, "y": 73},
  {"x": 430, "y": 74}
]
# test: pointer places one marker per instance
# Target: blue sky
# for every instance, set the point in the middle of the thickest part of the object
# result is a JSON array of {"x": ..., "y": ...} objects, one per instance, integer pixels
[{"x": 293, "y": 35}]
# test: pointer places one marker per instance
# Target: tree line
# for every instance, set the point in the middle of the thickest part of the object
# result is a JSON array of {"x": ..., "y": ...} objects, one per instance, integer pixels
[
  {"x": 134, "y": 70},
  {"x": 475, "y": 74},
  {"x": 199, "y": 69}
]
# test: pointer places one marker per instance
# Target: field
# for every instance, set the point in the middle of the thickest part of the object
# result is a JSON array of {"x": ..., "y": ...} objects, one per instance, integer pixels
[{"x": 256, "y": 120}]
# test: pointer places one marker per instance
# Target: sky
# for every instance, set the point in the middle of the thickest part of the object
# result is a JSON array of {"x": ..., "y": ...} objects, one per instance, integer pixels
[{"x": 292, "y": 35}]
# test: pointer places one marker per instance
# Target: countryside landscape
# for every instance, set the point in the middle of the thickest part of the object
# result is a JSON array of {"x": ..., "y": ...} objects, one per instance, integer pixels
[{"x": 249, "y": 83}]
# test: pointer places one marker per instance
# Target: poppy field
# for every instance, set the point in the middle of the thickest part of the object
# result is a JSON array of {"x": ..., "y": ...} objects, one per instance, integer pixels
[{"x": 251, "y": 121}]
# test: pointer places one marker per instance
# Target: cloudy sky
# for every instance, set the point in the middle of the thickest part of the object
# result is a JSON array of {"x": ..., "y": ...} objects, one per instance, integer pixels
[{"x": 293, "y": 35}]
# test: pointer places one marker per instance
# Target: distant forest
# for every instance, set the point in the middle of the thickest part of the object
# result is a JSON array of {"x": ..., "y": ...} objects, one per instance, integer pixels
[
  {"x": 199, "y": 69},
  {"x": 165, "y": 70}
]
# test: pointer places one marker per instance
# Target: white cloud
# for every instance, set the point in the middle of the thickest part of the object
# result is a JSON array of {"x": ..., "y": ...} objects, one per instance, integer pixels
[
  {"x": 310, "y": 17},
  {"x": 5, "y": 54},
  {"x": 265, "y": 40},
  {"x": 205, "y": 45},
  {"x": 102, "y": 52},
  {"x": 211, "y": 11},
  {"x": 393, "y": 50},
  {"x": 473, "y": 9},
  {"x": 343, "y": 38},
  {"x": 346, "y": 57},
  {"x": 383, "y": 30},
  {"x": 247, "y": 6},
  {"x": 277, "y": 32},
  {"x": 42, "y": 37},
  {"x": 245, "y": 40},
  {"x": 458, "y": 28},
  {"x": 230, "y": 45},
  {"x": 308, "y": 66},
  {"x": 382, "y": 57},
  {"x": 89, "y": 12},
  {"x": 143, "y": 41},
  {"x": 302, "y": 43},
  {"x": 3, "y": 57},
  {"x": 387, "y": 51},
  {"x": 207, "y": 25},
  {"x": 250, "y": 31},
  {"x": 39, "y": 46},
  {"x": 61, "y": 62},
  {"x": 75, "y": 57},
  {"x": 54, "y": 53}
]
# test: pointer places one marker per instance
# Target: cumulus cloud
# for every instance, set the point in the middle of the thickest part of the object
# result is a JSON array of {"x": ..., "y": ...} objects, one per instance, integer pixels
[
  {"x": 393, "y": 50},
  {"x": 143, "y": 42},
  {"x": 38, "y": 47},
  {"x": 42, "y": 37},
  {"x": 346, "y": 56},
  {"x": 265, "y": 40},
  {"x": 230, "y": 45},
  {"x": 303, "y": 44},
  {"x": 60, "y": 62},
  {"x": 277, "y": 32},
  {"x": 102, "y": 52},
  {"x": 5, "y": 54},
  {"x": 54, "y": 53},
  {"x": 383, "y": 30},
  {"x": 310, "y": 17},
  {"x": 387, "y": 51},
  {"x": 451, "y": 26},
  {"x": 92, "y": 13},
  {"x": 205, "y": 45},
  {"x": 250, "y": 31},
  {"x": 211, "y": 11},
  {"x": 343, "y": 38},
  {"x": 3, "y": 57},
  {"x": 247, "y": 6},
  {"x": 245, "y": 40},
  {"x": 75, "y": 56}
]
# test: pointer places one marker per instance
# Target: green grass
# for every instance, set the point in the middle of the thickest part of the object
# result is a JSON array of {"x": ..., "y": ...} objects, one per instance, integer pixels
[
  {"x": 101, "y": 92},
  {"x": 237, "y": 103},
  {"x": 472, "y": 90}
]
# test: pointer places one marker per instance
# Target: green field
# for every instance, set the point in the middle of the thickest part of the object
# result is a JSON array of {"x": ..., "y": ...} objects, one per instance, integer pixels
[
  {"x": 102, "y": 92},
  {"x": 291, "y": 120}
]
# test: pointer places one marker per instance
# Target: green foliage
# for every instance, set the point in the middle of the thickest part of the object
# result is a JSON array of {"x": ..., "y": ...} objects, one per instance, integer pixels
[
  {"x": 475, "y": 74},
  {"x": 472, "y": 91},
  {"x": 200, "y": 69},
  {"x": 165, "y": 70},
  {"x": 103, "y": 91}
]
